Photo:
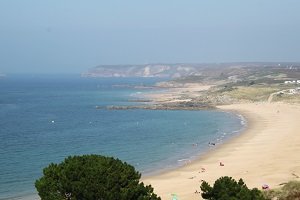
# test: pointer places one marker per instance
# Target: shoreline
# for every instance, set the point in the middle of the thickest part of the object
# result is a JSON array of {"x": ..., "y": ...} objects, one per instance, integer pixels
[
  {"x": 261, "y": 154},
  {"x": 218, "y": 142}
]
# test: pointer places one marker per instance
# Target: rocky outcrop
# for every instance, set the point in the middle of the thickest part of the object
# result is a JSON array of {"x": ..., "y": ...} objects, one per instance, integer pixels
[{"x": 167, "y": 106}]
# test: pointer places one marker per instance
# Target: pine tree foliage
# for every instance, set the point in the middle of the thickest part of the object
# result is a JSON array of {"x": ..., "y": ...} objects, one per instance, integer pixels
[
  {"x": 226, "y": 188},
  {"x": 92, "y": 177}
]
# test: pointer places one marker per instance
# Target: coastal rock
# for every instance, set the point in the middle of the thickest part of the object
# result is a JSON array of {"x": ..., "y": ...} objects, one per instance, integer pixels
[{"x": 169, "y": 106}]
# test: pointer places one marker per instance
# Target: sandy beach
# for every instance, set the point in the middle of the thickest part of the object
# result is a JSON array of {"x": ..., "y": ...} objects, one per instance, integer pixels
[{"x": 267, "y": 152}]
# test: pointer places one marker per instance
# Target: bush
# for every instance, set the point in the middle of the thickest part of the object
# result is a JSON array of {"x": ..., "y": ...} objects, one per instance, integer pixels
[
  {"x": 92, "y": 177},
  {"x": 290, "y": 191},
  {"x": 226, "y": 188}
]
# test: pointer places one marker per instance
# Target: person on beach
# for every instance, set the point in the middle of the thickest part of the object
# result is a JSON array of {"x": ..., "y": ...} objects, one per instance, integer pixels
[
  {"x": 202, "y": 170},
  {"x": 211, "y": 144},
  {"x": 265, "y": 187}
]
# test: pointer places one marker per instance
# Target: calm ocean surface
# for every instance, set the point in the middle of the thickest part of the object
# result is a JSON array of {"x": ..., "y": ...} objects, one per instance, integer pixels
[{"x": 43, "y": 119}]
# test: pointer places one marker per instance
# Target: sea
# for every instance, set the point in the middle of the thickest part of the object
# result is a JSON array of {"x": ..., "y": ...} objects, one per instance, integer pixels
[{"x": 45, "y": 118}]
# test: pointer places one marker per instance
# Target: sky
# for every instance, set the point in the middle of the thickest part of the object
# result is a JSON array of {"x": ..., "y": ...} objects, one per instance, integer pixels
[{"x": 71, "y": 36}]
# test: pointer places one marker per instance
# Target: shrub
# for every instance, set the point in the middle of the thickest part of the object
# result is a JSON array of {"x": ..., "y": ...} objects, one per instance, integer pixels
[
  {"x": 226, "y": 188},
  {"x": 290, "y": 191},
  {"x": 92, "y": 177}
]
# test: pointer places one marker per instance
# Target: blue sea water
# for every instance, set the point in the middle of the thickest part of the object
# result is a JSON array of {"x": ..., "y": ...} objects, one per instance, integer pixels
[{"x": 43, "y": 119}]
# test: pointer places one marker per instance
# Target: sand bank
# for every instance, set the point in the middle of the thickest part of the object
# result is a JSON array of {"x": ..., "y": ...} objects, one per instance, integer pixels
[{"x": 267, "y": 152}]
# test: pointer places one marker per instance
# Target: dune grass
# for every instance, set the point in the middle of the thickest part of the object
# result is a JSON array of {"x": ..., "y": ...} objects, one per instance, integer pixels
[
  {"x": 290, "y": 191},
  {"x": 252, "y": 93}
]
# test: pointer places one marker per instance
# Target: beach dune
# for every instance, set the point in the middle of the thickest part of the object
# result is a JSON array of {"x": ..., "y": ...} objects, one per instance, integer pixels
[{"x": 267, "y": 152}]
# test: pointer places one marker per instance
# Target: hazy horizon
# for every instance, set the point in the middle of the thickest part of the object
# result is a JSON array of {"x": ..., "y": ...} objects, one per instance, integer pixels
[{"x": 73, "y": 36}]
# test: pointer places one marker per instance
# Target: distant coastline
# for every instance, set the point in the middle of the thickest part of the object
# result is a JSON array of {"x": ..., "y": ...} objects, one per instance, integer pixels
[{"x": 175, "y": 70}]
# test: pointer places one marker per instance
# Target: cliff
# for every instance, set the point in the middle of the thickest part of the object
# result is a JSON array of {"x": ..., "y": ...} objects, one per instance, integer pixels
[
  {"x": 195, "y": 72},
  {"x": 151, "y": 70}
]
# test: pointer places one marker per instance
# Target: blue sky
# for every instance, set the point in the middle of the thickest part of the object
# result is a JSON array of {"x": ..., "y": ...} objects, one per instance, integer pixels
[{"x": 61, "y": 36}]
